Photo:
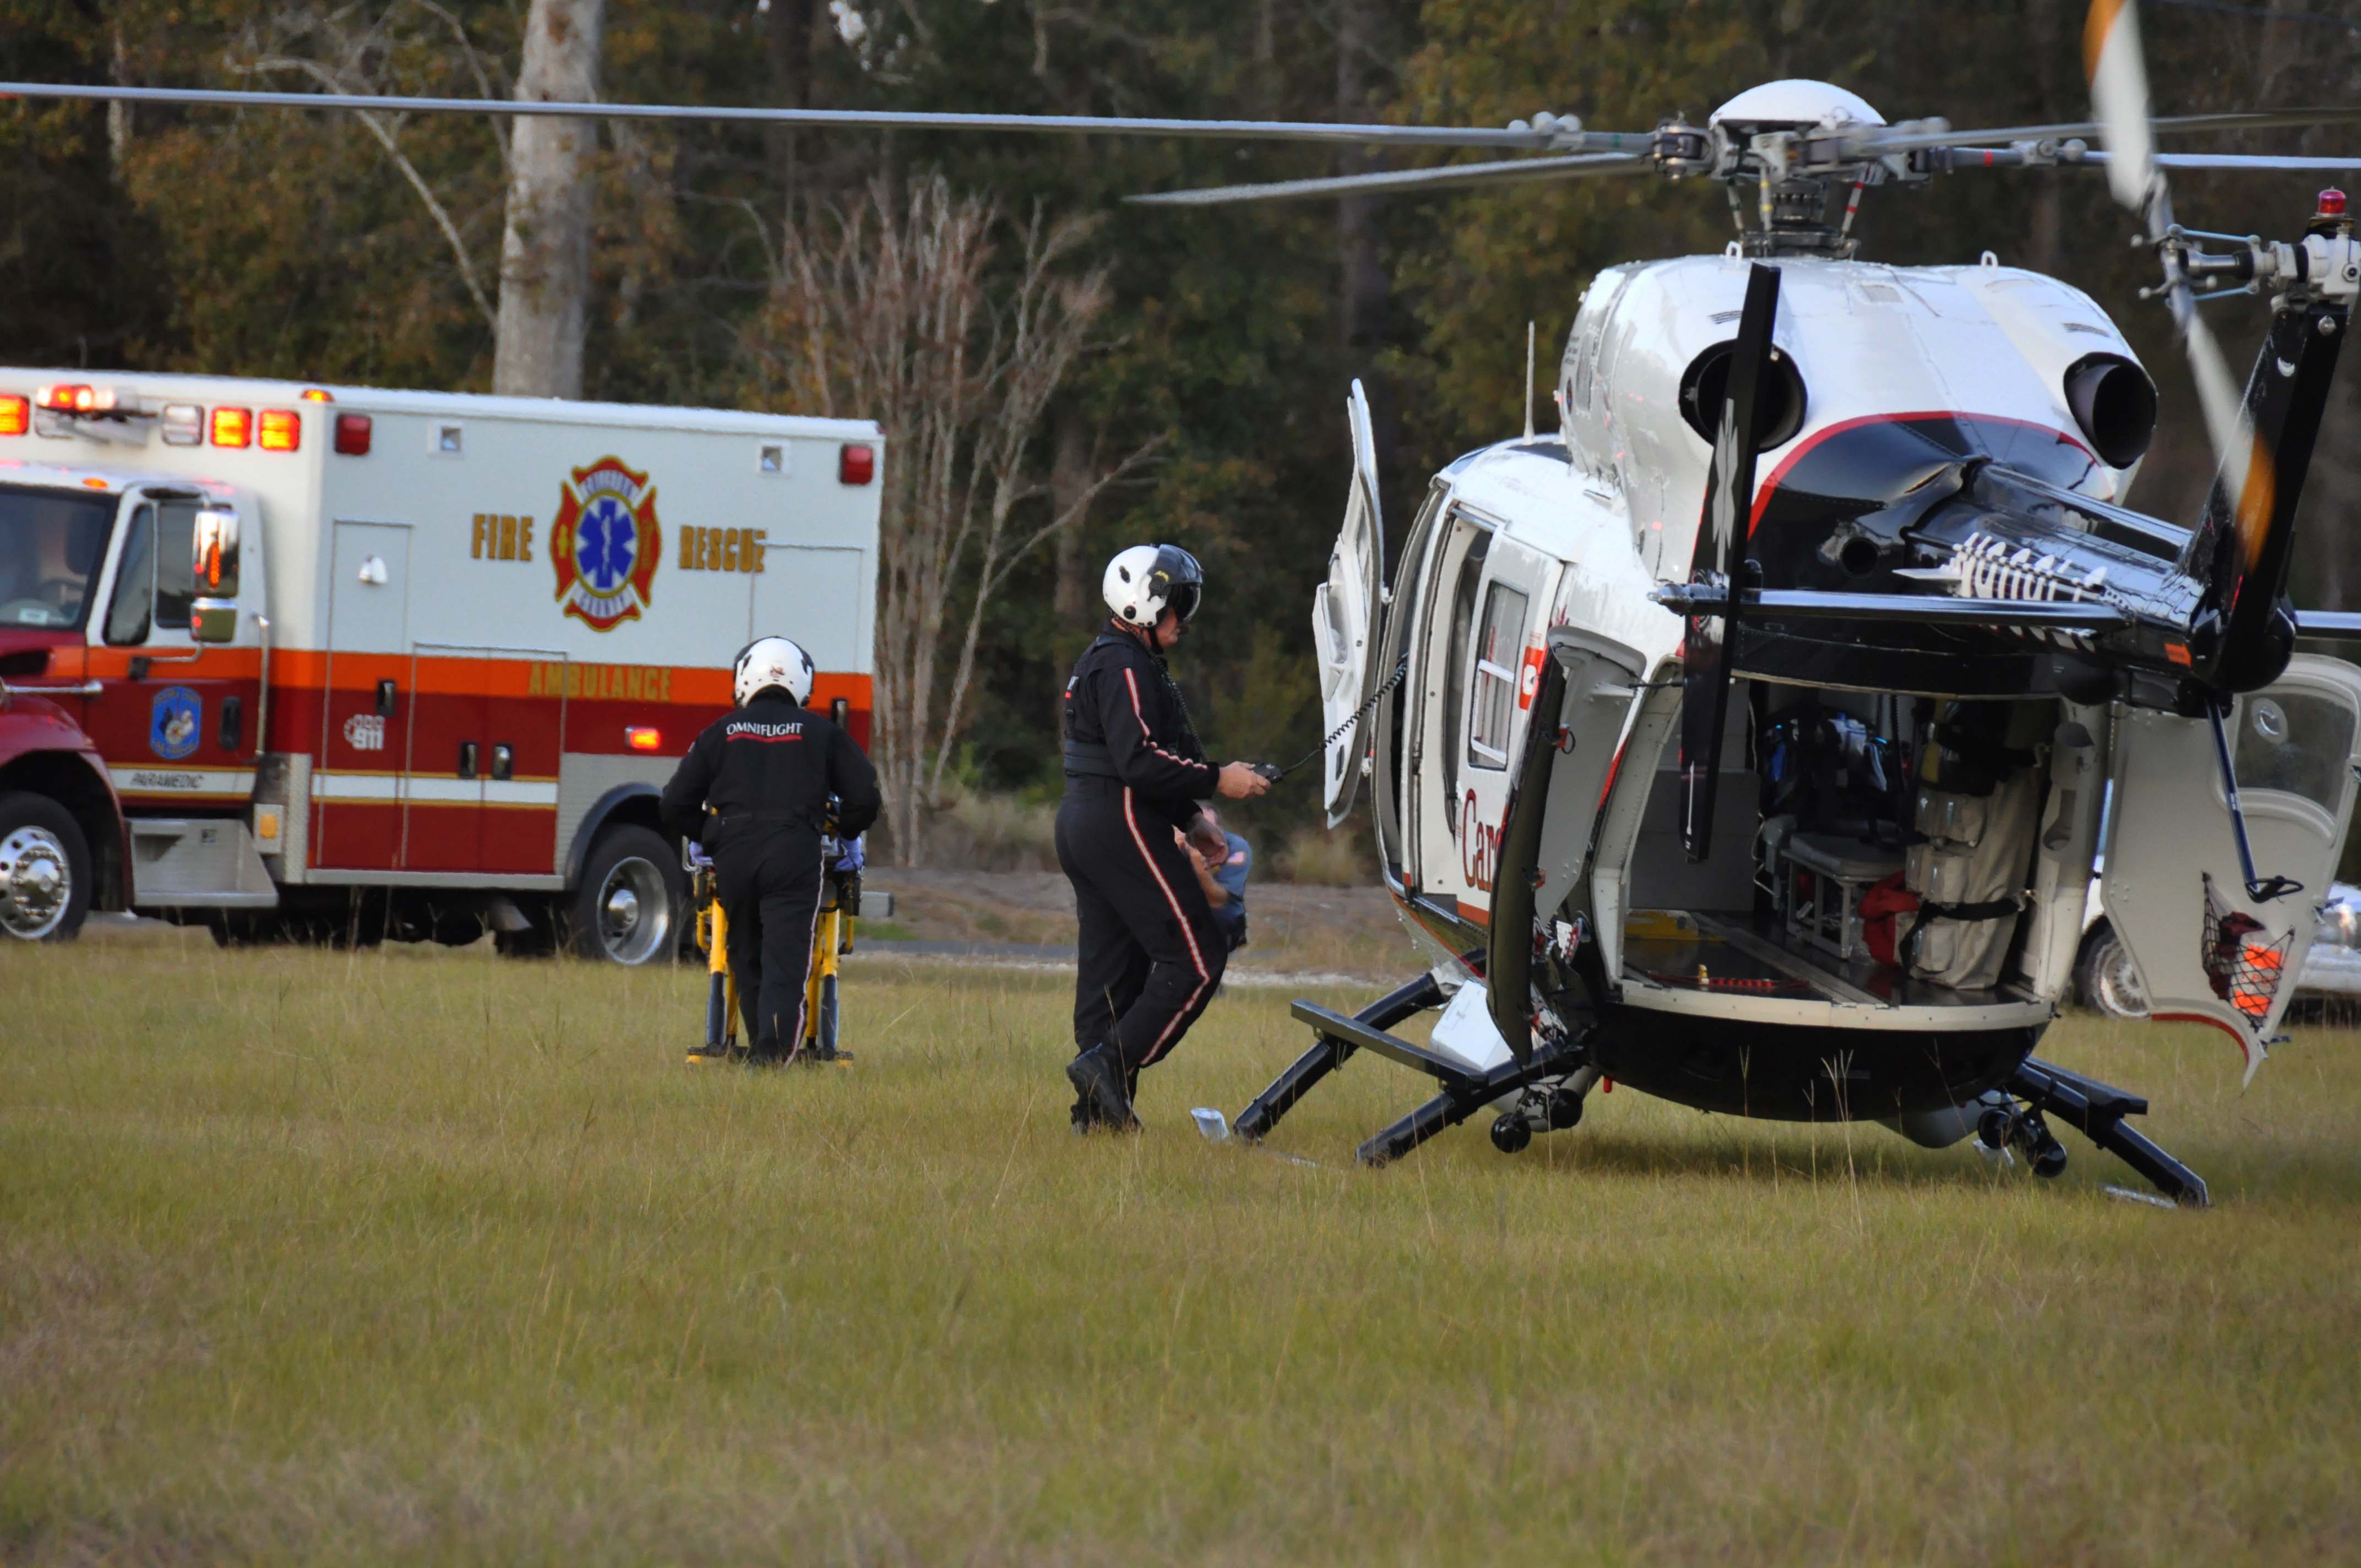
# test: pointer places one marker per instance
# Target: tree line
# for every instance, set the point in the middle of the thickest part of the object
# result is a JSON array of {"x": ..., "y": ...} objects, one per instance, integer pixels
[{"x": 1061, "y": 374}]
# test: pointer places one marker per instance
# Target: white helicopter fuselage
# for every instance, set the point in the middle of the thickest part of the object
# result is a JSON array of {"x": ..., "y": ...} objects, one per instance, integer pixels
[
  {"x": 1538, "y": 550},
  {"x": 1870, "y": 342}
]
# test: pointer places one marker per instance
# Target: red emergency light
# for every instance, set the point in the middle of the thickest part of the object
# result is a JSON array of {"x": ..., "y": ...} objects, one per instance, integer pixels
[
  {"x": 16, "y": 415},
  {"x": 353, "y": 435},
  {"x": 282, "y": 430},
  {"x": 856, "y": 464},
  {"x": 233, "y": 426},
  {"x": 642, "y": 737}
]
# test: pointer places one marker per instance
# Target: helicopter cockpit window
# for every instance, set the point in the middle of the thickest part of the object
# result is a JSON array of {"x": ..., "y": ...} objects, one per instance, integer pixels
[
  {"x": 1494, "y": 706},
  {"x": 2296, "y": 742}
]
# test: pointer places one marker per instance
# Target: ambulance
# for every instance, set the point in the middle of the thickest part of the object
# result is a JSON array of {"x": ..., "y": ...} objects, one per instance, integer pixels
[{"x": 286, "y": 659}]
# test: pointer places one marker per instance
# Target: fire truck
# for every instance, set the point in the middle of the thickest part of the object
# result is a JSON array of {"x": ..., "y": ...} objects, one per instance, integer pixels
[{"x": 282, "y": 659}]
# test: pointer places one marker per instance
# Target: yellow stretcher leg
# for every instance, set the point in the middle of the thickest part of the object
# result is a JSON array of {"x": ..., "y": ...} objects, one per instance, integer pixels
[
  {"x": 831, "y": 935},
  {"x": 722, "y": 987},
  {"x": 831, "y": 938}
]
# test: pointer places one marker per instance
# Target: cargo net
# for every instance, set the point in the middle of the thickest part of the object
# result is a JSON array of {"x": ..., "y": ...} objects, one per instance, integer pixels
[{"x": 2244, "y": 972}]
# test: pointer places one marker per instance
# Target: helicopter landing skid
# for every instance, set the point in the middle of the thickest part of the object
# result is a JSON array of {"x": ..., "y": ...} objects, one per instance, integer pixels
[
  {"x": 1330, "y": 1051},
  {"x": 2095, "y": 1110},
  {"x": 1463, "y": 1092}
]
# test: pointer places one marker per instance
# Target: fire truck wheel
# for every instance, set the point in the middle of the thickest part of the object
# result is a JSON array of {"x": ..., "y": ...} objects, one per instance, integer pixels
[
  {"x": 628, "y": 907},
  {"x": 46, "y": 875}
]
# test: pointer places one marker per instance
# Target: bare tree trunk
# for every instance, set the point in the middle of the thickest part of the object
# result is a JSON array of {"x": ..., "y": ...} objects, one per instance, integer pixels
[
  {"x": 1070, "y": 491},
  {"x": 545, "y": 251},
  {"x": 791, "y": 26},
  {"x": 119, "y": 114},
  {"x": 2044, "y": 232}
]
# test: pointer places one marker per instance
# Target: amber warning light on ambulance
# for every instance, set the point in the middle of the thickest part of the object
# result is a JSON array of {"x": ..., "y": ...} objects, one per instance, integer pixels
[
  {"x": 642, "y": 737},
  {"x": 233, "y": 426},
  {"x": 16, "y": 415},
  {"x": 282, "y": 430}
]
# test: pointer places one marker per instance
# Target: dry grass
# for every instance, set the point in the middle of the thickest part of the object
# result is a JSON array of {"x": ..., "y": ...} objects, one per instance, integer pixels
[
  {"x": 1342, "y": 858},
  {"x": 412, "y": 1256}
]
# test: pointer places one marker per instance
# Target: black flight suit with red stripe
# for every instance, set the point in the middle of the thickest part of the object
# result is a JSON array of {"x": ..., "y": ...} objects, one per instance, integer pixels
[
  {"x": 764, "y": 772},
  {"x": 1151, "y": 955}
]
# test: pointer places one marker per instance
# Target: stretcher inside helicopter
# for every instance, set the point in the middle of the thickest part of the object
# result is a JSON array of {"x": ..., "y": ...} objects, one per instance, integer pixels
[{"x": 1880, "y": 909}]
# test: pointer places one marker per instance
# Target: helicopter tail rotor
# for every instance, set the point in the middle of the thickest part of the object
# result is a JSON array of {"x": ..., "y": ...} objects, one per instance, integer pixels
[
  {"x": 2240, "y": 546},
  {"x": 1711, "y": 642}
]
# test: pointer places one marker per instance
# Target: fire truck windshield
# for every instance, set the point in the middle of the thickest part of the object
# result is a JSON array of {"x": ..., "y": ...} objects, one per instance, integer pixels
[{"x": 51, "y": 543}]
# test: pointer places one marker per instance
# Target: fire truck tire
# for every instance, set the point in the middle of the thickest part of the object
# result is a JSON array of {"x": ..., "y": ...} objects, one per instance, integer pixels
[
  {"x": 46, "y": 871},
  {"x": 633, "y": 899}
]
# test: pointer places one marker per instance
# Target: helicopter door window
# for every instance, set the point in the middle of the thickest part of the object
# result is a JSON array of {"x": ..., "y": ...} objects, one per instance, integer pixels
[
  {"x": 1455, "y": 651},
  {"x": 2296, "y": 742},
  {"x": 1495, "y": 705}
]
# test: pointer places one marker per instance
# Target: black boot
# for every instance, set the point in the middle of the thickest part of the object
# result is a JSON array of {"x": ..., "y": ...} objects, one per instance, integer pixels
[{"x": 1097, "y": 1076}]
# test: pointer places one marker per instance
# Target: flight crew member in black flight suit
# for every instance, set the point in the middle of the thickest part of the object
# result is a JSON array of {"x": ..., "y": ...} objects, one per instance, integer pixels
[
  {"x": 1150, "y": 952},
  {"x": 765, "y": 774}
]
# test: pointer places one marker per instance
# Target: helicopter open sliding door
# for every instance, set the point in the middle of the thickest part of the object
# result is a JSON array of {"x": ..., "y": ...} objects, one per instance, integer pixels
[
  {"x": 2206, "y": 949},
  {"x": 1346, "y": 618},
  {"x": 1483, "y": 649}
]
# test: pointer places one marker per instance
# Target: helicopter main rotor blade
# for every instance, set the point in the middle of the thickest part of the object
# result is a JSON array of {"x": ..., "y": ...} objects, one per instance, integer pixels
[
  {"x": 2256, "y": 161},
  {"x": 1873, "y": 142},
  {"x": 854, "y": 119},
  {"x": 2118, "y": 76},
  {"x": 1400, "y": 180},
  {"x": 1709, "y": 645}
]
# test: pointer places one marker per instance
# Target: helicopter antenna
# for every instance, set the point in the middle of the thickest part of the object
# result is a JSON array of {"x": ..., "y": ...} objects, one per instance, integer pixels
[{"x": 1529, "y": 380}]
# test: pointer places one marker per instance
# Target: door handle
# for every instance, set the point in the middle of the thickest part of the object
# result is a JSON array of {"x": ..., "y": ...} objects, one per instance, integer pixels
[
  {"x": 233, "y": 723},
  {"x": 466, "y": 759},
  {"x": 385, "y": 700},
  {"x": 503, "y": 762}
]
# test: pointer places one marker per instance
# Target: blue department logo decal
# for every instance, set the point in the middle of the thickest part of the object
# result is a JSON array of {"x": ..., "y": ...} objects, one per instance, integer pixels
[
  {"x": 173, "y": 722},
  {"x": 605, "y": 544}
]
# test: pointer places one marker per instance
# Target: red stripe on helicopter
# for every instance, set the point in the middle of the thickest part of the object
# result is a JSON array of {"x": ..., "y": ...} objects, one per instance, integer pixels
[{"x": 1778, "y": 475}]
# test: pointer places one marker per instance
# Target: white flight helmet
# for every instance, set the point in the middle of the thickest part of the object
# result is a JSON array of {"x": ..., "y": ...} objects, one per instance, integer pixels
[
  {"x": 771, "y": 662},
  {"x": 1142, "y": 581}
]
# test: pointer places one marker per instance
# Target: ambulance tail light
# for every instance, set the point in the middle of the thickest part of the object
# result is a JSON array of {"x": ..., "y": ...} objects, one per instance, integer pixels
[
  {"x": 282, "y": 430},
  {"x": 644, "y": 738},
  {"x": 856, "y": 464},
  {"x": 16, "y": 415},
  {"x": 233, "y": 426},
  {"x": 353, "y": 435}
]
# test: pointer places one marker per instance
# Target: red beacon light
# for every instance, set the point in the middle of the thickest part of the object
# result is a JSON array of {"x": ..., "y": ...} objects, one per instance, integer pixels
[
  {"x": 352, "y": 435},
  {"x": 2332, "y": 204},
  {"x": 856, "y": 464}
]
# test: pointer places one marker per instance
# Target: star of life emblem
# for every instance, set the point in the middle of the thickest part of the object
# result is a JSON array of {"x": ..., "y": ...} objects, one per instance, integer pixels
[{"x": 606, "y": 544}]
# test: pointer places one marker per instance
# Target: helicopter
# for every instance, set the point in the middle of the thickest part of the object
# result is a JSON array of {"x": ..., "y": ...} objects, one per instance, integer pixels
[{"x": 1753, "y": 741}]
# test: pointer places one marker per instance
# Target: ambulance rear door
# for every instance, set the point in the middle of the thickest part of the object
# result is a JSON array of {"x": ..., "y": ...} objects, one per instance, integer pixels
[{"x": 2206, "y": 948}]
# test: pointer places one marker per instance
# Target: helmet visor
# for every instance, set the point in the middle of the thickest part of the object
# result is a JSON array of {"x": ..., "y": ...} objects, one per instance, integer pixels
[{"x": 1185, "y": 598}]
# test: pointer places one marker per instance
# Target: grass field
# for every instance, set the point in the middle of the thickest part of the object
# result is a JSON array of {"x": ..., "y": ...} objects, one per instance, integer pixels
[{"x": 409, "y": 1256}]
